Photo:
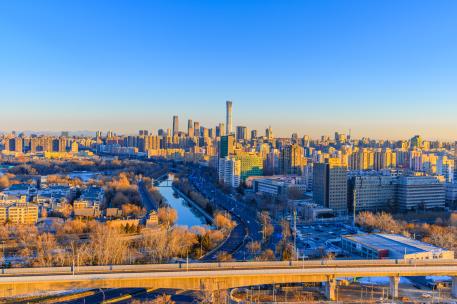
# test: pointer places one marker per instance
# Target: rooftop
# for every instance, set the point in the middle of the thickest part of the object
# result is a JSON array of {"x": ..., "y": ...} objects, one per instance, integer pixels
[{"x": 397, "y": 245}]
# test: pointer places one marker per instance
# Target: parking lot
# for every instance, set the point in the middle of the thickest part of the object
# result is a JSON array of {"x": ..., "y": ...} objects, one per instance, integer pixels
[{"x": 318, "y": 240}]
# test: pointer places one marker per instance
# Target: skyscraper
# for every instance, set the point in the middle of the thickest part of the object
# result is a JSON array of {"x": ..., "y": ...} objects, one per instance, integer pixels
[
  {"x": 175, "y": 125},
  {"x": 221, "y": 129},
  {"x": 253, "y": 134},
  {"x": 241, "y": 133},
  {"x": 197, "y": 129},
  {"x": 226, "y": 146},
  {"x": 292, "y": 160},
  {"x": 190, "y": 128},
  {"x": 228, "y": 123},
  {"x": 269, "y": 133}
]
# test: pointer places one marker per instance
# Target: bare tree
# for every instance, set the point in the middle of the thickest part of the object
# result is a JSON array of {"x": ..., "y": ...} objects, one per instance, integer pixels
[
  {"x": 224, "y": 257},
  {"x": 167, "y": 216},
  {"x": 253, "y": 247}
]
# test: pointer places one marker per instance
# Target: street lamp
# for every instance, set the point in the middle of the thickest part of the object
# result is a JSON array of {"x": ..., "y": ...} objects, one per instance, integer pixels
[
  {"x": 244, "y": 241},
  {"x": 103, "y": 294}
]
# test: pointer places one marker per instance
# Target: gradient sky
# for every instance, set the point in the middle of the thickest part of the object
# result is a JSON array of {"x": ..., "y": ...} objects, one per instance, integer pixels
[{"x": 385, "y": 69}]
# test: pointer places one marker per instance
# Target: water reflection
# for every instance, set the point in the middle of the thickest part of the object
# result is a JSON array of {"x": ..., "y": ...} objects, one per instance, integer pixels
[{"x": 187, "y": 215}]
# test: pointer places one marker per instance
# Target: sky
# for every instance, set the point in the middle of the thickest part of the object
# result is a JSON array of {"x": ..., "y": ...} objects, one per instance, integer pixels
[{"x": 383, "y": 69}]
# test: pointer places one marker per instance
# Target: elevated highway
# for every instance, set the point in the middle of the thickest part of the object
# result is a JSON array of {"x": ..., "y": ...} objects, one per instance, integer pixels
[{"x": 215, "y": 276}]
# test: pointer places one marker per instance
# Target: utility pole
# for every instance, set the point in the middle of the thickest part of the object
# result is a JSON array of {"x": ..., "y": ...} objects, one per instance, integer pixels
[
  {"x": 354, "y": 204},
  {"x": 295, "y": 233}
]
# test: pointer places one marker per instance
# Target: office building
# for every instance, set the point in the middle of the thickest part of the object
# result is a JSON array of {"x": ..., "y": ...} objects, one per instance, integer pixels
[
  {"x": 175, "y": 125},
  {"x": 420, "y": 192},
  {"x": 253, "y": 134},
  {"x": 228, "y": 122},
  {"x": 279, "y": 186},
  {"x": 220, "y": 130},
  {"x": 190, "y": 128},
  {"x": 226, "y": 146},
  {"x": 251, "y": 165},
  {"x": 330, "y": 185},
  {"x": 197, "y": 129},
  {"x": 241, "y": 133},
  {"x": 372, "y": 192},
  {"x": 269, "y": 133}
]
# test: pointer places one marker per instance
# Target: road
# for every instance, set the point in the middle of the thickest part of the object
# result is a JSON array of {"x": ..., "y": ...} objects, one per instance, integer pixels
[
  {"x": 248, "y": 228},
  {"x": 133, "y": 280},
  {"x": 103, "y": 295},
  {"x": 229, "y": 275},
  {"x": 10, "y": 273},
  {"x": 147, "y": 201}
]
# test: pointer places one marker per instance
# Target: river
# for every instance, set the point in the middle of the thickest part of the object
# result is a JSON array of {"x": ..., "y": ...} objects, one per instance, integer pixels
[{"x": 187, "y": 215}]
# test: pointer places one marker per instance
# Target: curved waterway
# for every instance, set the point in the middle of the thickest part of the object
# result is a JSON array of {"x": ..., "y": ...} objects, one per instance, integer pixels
[{"x": 187, "y": 214}]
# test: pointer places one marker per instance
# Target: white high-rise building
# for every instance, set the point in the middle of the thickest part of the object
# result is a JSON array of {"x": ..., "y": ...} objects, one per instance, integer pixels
[
  {"x": 228, "y": 124},
  {"x": 230, "y": 171}
]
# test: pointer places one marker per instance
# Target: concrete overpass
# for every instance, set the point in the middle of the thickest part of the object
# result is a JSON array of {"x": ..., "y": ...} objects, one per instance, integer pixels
[{"x": 218, "y": 276}]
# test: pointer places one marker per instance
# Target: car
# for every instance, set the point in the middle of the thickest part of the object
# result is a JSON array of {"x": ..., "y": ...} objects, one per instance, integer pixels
[{"x": 426, "y": 295}]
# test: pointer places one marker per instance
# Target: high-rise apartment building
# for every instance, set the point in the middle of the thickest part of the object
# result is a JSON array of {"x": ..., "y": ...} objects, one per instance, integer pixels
[
  {"x": 416, "y": 142},
  {"x": 384, "y": 159},
  {"x": 228, "y": 122},
  {"x": 74, "y": 148},
  {"x": 175, "y": 125},
  {"x": 14, "y": 144},
  {"x": 229, "y": 170},
  {"x": 292, "y": 160},
  {"x": 330, "y": 185},
  {"x": 362, "y": 159}
]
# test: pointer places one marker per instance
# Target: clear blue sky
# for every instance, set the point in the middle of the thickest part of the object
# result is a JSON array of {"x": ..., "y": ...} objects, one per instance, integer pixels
[{"x": 382, "y": 68}]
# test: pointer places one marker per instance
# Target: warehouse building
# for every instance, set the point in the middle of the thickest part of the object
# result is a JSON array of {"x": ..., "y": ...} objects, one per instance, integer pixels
[{"x": 392, "y": 246}]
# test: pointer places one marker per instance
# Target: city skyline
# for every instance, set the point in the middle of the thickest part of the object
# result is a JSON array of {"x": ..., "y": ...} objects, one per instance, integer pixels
[
  {"x": 383, "y": 70},
  {"x": 248, "y": 151},
  {"x": 173, "y": 126}
]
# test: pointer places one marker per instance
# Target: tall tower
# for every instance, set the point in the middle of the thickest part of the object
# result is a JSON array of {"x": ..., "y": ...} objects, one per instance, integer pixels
[
  {"x": 175, "y": 125},
  {"x": 228, "y": 124}
]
